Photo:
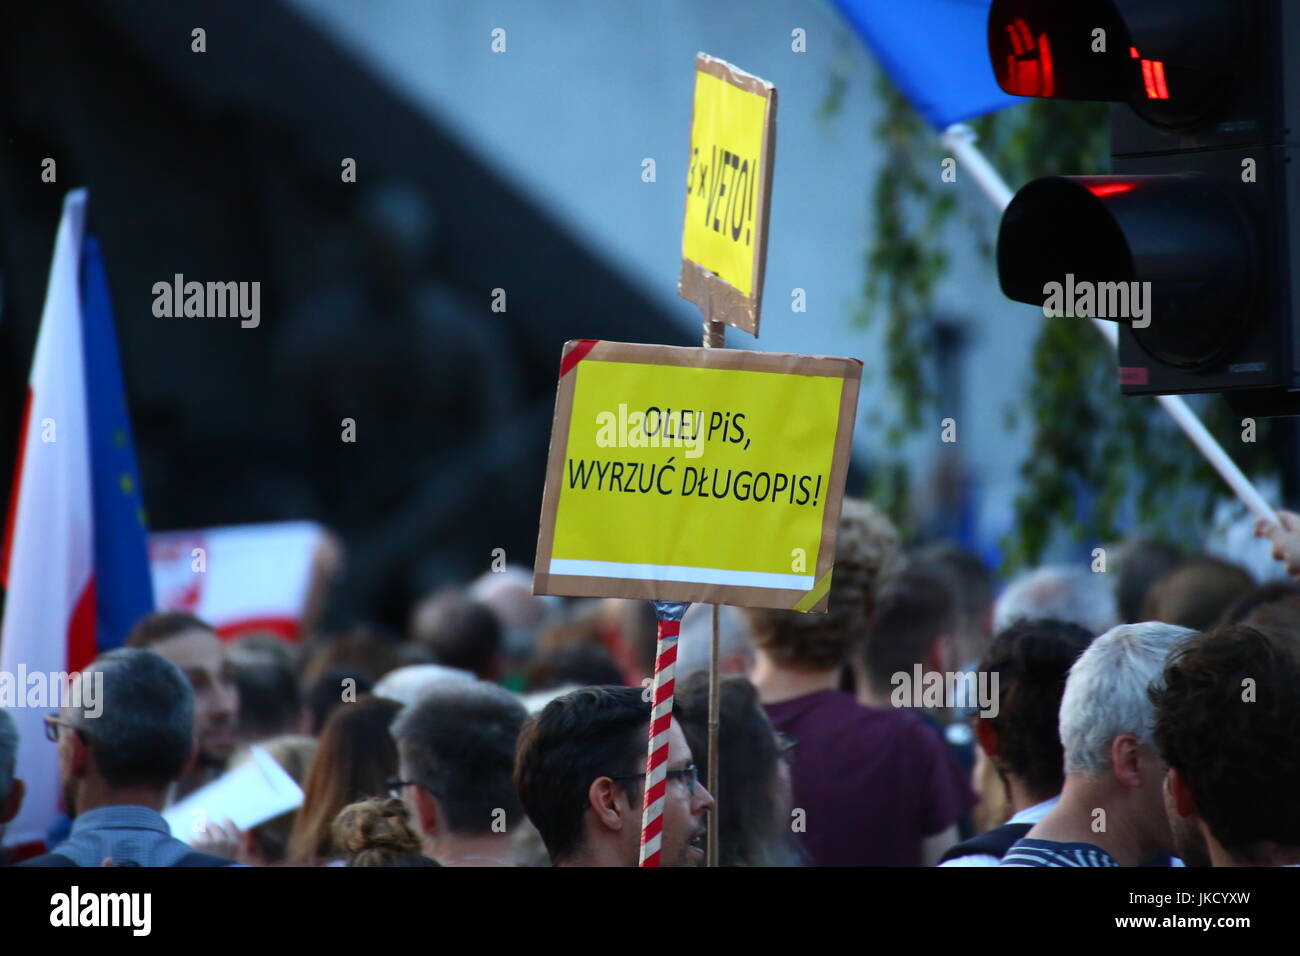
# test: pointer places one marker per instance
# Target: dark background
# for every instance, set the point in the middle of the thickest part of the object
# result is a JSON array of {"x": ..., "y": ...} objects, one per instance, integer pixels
[{"x": 375, "y": 295}]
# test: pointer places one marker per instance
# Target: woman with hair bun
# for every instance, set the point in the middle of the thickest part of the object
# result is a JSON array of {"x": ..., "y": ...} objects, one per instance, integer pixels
[{"x": 377, "y": 832}]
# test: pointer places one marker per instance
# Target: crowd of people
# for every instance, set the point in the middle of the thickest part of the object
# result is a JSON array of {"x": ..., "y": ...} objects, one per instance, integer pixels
[{"x": 1148, "y": 715}]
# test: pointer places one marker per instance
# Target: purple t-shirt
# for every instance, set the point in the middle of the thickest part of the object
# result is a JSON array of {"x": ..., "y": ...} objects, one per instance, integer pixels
[{"x": 874, "y": 783}]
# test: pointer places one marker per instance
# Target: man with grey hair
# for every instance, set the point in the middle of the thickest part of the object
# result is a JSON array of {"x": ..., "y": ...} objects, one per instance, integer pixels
[
  {"x": 1111, "y": 811},
  {"x": 695, "y": 644},
  {"x": 1059, "y": 592},
  {"x": 115, "y": 768},
  {"x": 456, "y": 758},
  {"x": 11, "y": 788}
]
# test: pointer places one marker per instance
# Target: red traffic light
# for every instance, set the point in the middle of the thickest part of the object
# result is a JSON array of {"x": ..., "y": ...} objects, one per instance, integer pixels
[
  {"x": 1052, "y": 50},
  {"x": 1172, "y": 60},
  {"x": 1178, "y": 251}
]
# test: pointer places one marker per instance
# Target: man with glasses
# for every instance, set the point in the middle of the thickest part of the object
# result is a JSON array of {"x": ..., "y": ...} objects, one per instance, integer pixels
[
  {"x": 115, "y": 768},
  {"x": 456, "y": 747},
  {"x": 580, "y": 771}
]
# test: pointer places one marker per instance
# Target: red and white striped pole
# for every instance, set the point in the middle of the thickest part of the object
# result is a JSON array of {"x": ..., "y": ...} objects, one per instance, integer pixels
[{"x": 668, "y": 614}]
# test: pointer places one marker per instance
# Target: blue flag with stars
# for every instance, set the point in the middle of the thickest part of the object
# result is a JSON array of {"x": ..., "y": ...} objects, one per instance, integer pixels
[{"x": 123, "y": 587}]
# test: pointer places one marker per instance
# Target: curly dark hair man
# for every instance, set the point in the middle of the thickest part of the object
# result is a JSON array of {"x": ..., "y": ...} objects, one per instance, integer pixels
[
  {"x": 1033, "y": 660},
  {"x": 1228, "y": 725}
]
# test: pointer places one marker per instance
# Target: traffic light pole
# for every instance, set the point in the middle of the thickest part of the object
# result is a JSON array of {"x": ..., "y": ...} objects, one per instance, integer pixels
[{"x": 959, "y": 139}]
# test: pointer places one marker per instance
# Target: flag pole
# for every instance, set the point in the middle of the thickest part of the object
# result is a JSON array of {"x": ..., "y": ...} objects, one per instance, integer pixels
[
  {"x": 668, "y": 616},
  {"x": 715, "y": 337},
  {"x": 960, "y": 140}
]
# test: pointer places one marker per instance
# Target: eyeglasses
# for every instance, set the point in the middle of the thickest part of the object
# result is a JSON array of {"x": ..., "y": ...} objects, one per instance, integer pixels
[
  {"x": 52, "y": 725},
  {"x": 785, "y": 746},
  {"x": 689, "y": 774}
]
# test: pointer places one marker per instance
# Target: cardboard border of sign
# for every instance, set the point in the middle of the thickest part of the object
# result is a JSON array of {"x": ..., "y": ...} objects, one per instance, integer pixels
[
  {"x": 718, "y": 299},
  {"x": 577, "y": 350}
]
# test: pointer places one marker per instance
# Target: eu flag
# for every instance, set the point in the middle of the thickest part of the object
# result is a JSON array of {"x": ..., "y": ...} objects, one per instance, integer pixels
[{"x": 123, "y": 587}]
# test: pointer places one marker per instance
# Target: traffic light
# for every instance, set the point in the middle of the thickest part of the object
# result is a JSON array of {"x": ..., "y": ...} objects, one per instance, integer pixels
[{"x": 1188, "y": 243}]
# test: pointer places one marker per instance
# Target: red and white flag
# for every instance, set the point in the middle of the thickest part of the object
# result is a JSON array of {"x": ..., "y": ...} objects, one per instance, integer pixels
[
  {"x": 241, "y": 579},
  {"x": 48, "y": 559}
]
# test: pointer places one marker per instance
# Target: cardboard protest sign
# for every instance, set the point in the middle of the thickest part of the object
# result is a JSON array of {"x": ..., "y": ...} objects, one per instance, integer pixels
[
  {"x": 728, "y": 193},
  {"x": 710, "y": 475}
]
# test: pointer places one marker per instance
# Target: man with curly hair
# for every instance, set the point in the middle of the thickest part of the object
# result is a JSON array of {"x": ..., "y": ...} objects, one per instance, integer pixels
[
  {"x": 871, "y": 786},
  {"x": 1228, "y": 725}
]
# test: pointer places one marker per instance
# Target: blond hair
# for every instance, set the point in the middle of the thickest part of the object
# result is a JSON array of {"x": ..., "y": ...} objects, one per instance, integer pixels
[
  {"x": 376, "y": 832},
  {"x": 866, "y": 553}
]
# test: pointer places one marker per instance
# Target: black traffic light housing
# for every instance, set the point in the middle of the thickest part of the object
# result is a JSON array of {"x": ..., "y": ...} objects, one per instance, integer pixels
[{"x": 1197, "y": 203}]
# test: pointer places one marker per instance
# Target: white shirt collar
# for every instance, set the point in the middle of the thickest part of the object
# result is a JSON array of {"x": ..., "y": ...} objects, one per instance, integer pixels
[{"x": 1036, "y": 812}]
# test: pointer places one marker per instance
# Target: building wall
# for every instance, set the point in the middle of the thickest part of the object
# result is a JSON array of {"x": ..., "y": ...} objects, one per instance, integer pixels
[{"x": 587, "y": 89}]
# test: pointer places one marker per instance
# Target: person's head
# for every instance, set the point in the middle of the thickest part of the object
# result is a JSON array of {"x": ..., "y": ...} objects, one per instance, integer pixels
[
  {"x": 914, "y": 623},
  {"x": 361, "y": 650},
  {"x": 408, "y": 684},
  {"x": 268, "y": 842},
  {"x": 11, "y": 788},
  {"x": 866, "y": 551},
  {"x": 329, "y": 692},
  {"x": 459, "y": 632},
  {"x": 268, "y": 690},
  {"x": 1227, "y": 721},
  {"x": 377, "y": 832},
  {"x": 1032, "y": 660},
  {"x": 456, "y": 756},
  {"x": 135, "y": 741},
  {"x": 354, "y": 760},
  {"x": 1107, "y": 722},
  {"x": 971, "y": 584},
  {"x": 628, "y": 628},
  {"x": 1059, "y": 593},
  {"x": 752, "y": 771},
  {"x": 508, "y": 594},
  {"x": 578, "y": 665},
  {"x": 1196, "y": 592},
  {"x": 193, "y": 646},
  {"x": 579, "y": 770},
  {"x": 695, "y": 643},
  {"x": 1285, "y": 593},
  {"x": 1141, "y": 564},
  {"x": 1275, "y": 617}
]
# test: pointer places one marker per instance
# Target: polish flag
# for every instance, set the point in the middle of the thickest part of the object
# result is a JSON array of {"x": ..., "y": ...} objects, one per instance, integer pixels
[{"x": 74, "y": 504}]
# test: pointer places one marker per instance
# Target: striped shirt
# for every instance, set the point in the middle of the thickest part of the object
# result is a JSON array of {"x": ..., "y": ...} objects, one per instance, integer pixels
[{"x": 1028, "y": 852}]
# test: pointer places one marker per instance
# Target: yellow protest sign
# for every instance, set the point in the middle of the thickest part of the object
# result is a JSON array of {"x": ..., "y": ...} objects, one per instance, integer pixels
[
  {"x": 710, "y": 475},
  {"x": 728, "y": 193}
]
